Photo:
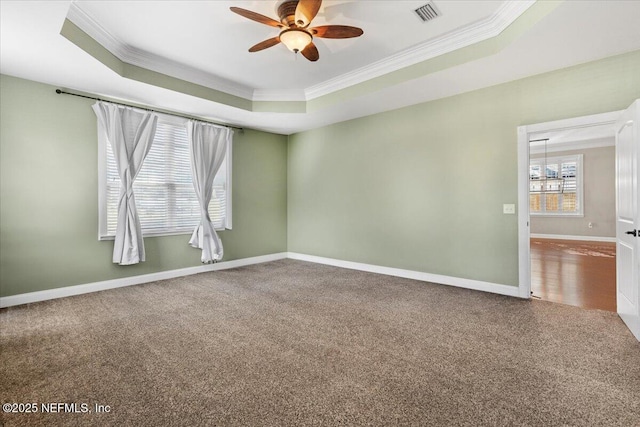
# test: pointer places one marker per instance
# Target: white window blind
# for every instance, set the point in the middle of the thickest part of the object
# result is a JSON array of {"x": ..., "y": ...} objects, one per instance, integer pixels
[
  {"x": 563, "y": 195},
  {"x": 165, "y": 198}
]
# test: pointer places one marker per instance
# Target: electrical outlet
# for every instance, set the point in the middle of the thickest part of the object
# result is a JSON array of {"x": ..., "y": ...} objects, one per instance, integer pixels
[
  {"x": 590, "y": 225},
  {"x": 509, "y": 209}
]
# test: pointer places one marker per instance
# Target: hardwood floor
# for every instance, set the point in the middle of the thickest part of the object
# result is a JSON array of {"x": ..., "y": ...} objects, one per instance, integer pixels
[{"x": 574, "y": 272}]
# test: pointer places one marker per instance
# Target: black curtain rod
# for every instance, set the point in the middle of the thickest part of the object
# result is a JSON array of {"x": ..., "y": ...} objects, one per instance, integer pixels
[{"x": 62, "y": 92}]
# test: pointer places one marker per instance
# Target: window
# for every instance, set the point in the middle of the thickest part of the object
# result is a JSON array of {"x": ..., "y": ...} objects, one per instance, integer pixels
[
  {"x": 557, "y": 188},
  {"x": 165, "y": 198}
]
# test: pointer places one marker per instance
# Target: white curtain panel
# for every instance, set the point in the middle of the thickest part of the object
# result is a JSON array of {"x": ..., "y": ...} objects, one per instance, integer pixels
[
  {"x": 130, "y": 133},
  {"x": 208, "y": 148}
]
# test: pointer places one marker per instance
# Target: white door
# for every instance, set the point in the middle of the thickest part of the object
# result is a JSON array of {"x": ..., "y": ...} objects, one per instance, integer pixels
[{"x": 627, "y": 221}]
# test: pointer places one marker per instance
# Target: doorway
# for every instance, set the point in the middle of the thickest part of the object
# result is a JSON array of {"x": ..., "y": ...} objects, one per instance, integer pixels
[
  {"x": 572, "y": 216},
  {"x": 567, "y": 130}
]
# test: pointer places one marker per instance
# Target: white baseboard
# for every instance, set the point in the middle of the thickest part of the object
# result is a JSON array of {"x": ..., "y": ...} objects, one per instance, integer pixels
[
  {"x": 132, "y": 280},
  {"x": 415, "y": 275},
  {"x": 567, "y": 237},
  {"x": 67, "y": 291}
]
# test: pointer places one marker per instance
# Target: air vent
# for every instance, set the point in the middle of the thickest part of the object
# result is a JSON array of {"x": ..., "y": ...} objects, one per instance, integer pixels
[{"x": 427, "y": 12}]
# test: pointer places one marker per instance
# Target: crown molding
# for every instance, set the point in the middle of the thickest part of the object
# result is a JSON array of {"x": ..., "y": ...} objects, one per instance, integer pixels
[
  {"x": 96, "y": 31},
  {"x": 462, "y": 37},
  {"x": 465, "y": 36},
  {"x": 146, "y": 60}
]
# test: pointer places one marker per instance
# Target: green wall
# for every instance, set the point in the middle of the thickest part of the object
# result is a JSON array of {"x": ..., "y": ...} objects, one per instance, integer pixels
[
  {"x": 49, "y": 198},
  {"x": 422, "y": 187},
  {"x": 419, "y": 188}
]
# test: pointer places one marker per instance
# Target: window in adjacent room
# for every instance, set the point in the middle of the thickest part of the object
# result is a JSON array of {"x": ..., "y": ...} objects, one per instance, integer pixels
[
  {"x": 165, "y": 198},
  {"x": 557, "y": 188}
]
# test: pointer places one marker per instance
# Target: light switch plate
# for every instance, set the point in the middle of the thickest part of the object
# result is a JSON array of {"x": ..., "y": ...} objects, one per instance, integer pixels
[{"x": 509, "y": 209}]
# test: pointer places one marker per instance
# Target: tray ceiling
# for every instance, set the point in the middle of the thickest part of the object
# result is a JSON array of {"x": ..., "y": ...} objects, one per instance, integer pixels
[
  {"x": 206, "y": 43},
  {"x": 191, "y": 57}
]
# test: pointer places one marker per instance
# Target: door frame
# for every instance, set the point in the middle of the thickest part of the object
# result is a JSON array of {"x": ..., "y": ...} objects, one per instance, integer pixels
[{"x": 524, "y": 134}]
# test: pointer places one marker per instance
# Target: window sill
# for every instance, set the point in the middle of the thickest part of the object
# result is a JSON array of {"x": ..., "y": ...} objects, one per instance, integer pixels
[{"x": 161, "y": 234}]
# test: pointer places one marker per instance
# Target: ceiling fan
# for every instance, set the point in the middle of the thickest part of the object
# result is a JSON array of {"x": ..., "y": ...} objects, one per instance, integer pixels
[{"x": 295, "y": 18}]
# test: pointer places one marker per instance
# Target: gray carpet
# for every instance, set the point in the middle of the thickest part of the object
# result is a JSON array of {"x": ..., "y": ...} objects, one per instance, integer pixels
[{"x": 295, "y": 343}]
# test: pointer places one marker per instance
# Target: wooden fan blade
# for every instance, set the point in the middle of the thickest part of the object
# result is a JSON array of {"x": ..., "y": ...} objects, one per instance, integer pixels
[
  {"x": 265, "y": 44},
  {"x": 311, "y": 52},
  {"x": 336, "y": 31},
  {"x": 306, "y": 11},
  {"x": 256, "y": 17}
]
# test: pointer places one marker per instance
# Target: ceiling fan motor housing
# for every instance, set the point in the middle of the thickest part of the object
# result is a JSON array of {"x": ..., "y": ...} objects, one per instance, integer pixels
[{"x": 287, "y": 13}]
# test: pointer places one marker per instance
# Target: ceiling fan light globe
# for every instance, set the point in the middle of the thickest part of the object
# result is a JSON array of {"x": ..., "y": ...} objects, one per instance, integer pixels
[{"x": 295, "y": 40}]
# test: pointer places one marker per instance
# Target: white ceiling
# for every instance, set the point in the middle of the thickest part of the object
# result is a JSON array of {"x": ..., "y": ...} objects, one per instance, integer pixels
[
  {"x": 576, "y": 138},
  {"x": 204, "y": 35},
  {"x": 205, "y": 43}
]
